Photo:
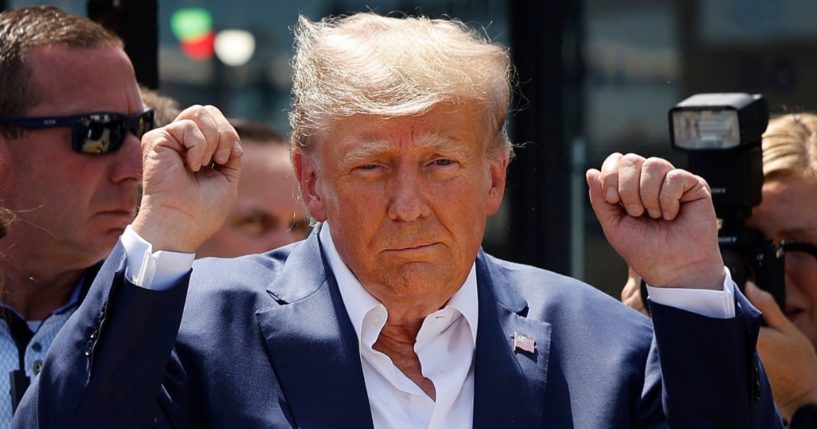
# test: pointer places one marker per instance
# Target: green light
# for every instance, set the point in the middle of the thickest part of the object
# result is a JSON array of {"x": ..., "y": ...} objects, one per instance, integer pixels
[{"x": 190, "y": 23}]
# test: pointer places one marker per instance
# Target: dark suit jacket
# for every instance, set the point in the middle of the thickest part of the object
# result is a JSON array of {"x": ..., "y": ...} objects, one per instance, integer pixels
[{"x": 265, "y": 341}]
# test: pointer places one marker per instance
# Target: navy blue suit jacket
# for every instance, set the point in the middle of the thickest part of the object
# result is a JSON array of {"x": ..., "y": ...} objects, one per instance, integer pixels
[{"x": 265, "y": 341}]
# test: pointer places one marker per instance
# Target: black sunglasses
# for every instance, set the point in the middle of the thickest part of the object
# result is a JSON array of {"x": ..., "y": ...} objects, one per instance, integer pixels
[
  {"x": 799, "y": 246},
  {"x": 92, "y": 133}
]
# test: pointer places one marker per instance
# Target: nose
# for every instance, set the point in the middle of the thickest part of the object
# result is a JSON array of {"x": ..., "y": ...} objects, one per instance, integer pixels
[
  {"x": 128, "y": 161},
  {"x": 407, "y": 195}
]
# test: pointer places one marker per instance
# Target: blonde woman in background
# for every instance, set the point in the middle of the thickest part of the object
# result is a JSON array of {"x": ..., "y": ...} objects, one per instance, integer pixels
[{"x": 788, "y": 212}]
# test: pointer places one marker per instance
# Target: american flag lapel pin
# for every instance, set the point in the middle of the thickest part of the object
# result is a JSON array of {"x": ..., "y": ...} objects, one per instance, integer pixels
[{"x": 523, "y": 343}]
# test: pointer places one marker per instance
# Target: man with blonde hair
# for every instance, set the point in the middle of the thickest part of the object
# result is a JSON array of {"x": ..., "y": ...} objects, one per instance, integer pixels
[{"x": 390, "y": 314}]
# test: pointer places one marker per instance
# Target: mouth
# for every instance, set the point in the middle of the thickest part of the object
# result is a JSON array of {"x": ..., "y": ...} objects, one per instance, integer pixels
[
  {"x": 119, "y": 212},
  {"x": 412, "y": 248},
  {"x": 121, "y": 217},
  {"x": 415, "y": 246}
]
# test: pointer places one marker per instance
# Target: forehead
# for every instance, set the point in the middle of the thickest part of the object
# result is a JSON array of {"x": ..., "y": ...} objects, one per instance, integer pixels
[
  {"x": 789, "y": 207},
  {"x": 265, "y": 158},
  {"x": 448, "y": 126},
  {"x": 266, "y": 174},
  {"x": 78, "y": 80}
]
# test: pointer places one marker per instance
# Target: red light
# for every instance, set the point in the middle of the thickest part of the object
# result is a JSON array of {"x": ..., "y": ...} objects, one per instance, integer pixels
[{"x": 199, "y": 48}]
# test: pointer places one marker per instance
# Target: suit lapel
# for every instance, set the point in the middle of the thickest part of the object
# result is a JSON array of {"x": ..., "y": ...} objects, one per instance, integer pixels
[
  {"x": 313, "y": 346},
  {"x": 509, "y": 385},
  {"x": 314, "y": 349}
]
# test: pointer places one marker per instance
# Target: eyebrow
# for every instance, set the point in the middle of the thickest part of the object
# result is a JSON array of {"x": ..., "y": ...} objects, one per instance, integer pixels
[{"x": 431, "y": 142}]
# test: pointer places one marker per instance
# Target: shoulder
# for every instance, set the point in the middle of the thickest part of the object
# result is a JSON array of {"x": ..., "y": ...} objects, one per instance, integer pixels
[
  {"x": 565, "y": 301},
  {"x": 237, "y": 281},
  {"x": 537, "y": 284}
]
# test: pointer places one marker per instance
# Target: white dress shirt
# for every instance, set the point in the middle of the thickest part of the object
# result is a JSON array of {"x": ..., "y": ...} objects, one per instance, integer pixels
[{"x": 445, "y": 347}]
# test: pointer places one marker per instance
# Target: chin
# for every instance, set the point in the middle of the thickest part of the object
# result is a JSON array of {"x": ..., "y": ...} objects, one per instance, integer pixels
[
  {"x": 108, "y": 240},
  {"x": 423, "y": 273}
]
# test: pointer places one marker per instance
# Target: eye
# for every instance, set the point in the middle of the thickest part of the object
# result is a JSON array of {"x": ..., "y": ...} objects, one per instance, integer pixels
[
  {"x": 257, "y": 223},
  {"x": 368, "y": 170},
  {"x": 443, "y": 164}
]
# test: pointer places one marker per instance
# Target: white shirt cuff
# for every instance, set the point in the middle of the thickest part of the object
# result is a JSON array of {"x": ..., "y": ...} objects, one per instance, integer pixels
[
  {"x": 152, "y": 270},
  {"x": 717, "y": 304}
]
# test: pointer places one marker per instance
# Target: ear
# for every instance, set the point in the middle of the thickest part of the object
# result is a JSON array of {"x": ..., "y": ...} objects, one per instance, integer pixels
[
  {"x": 306, "y": 172},
  {"x": 498, "y": 170}
]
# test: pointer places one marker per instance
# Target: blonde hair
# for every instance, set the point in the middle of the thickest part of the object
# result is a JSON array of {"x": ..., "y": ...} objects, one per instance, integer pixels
[
  {"x": 386, "y": 66},
  {"x": 790, "y": 146}
]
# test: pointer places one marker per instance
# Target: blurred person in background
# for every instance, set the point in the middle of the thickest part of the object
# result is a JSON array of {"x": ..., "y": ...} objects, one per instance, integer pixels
[
  {"x": 165, "y": 109},
  {"x": 267, "y": 214},
  {"x": 70, "y": 163},
  {"x": 787, "y": 213}
]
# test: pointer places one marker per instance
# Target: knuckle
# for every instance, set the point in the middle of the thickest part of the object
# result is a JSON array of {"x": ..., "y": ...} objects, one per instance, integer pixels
[
  {"x": 226, "y": 137},
  {"x": 193, "y": 109},
  {"x": 609, "y": 178},
  {"x": 607, "y": 173},
  {"x": 186, "y": 124},
  {"x": 656, "y": 165},
  {"x": 673, "y": 176},
  {"x": 610, "y": 162},
  {"x": 632, "y": 159},
  {"x": 195, "y": 113}
]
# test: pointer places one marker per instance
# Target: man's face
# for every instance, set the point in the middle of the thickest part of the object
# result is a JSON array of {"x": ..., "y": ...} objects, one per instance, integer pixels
[
  {"x": 70, "y": 207},
  {"x": 266, "y": 214},
  {"x": 406, "y": 198},
  {"x": 789, "y": 212}
]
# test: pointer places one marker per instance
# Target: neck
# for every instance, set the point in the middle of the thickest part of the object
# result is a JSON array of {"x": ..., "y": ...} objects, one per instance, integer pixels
[
  {"x": 33, "y": 286},
  {"x": 396, "y": 341},
  {"x": 36, "y": 296},
  {"x": 406, "y": 313}
]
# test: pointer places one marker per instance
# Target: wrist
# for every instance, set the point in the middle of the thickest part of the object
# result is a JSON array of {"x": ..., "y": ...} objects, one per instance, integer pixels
[
  {"x": 711, "y": 277},
  {"x": 162, "y": 232}
]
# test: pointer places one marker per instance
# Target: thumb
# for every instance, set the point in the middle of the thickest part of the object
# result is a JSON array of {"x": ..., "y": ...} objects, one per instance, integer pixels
[{"x": 764, "y": 302}]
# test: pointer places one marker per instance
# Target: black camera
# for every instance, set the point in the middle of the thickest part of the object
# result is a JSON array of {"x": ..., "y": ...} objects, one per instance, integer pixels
[{"x": 721, "y": 134}]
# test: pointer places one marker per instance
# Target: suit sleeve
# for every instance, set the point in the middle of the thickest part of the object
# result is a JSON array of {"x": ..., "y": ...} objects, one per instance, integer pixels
[
  {"x": 107, "y": 365},
  {"x": 711, "y": 374}
]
